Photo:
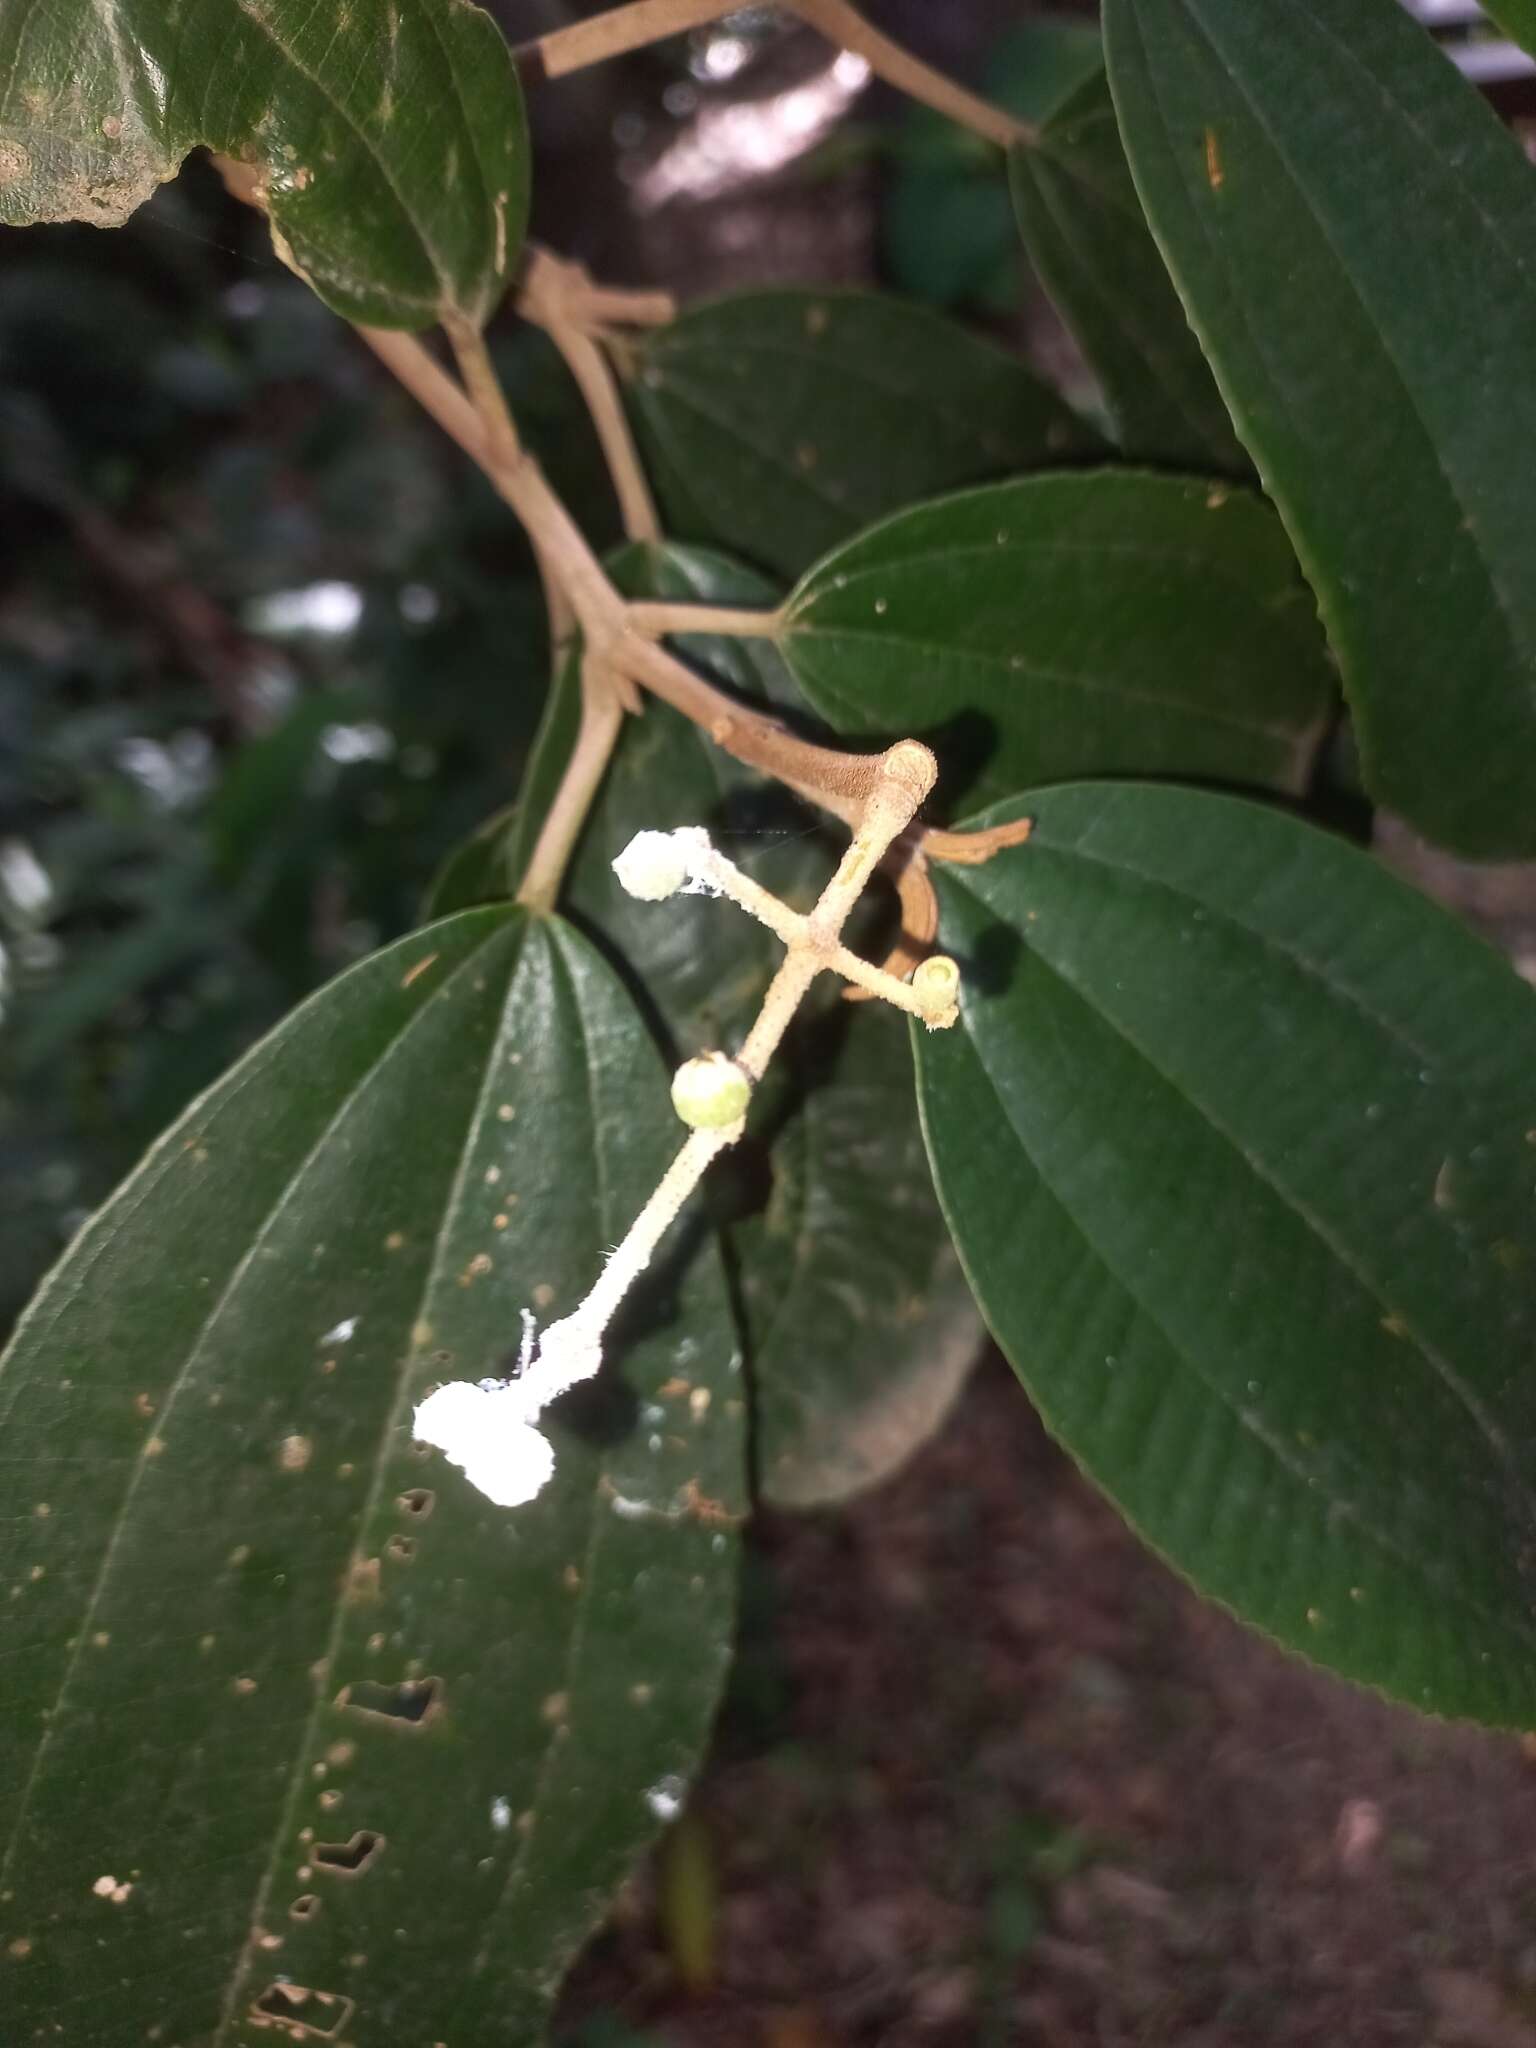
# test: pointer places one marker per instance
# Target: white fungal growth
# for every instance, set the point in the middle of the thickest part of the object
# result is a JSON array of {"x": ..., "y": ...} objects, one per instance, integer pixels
[
  {"x": 655, "y": 865},
  {"x": 652, "y": 867},
  {"x": 666, "y": 1799},
  {"x": 342, "y": 1334},
  {"x": 486, "y": 1429}
]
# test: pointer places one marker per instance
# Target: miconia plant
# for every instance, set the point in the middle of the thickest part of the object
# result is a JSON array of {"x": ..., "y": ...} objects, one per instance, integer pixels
[{"x": 379, "y": 1451}]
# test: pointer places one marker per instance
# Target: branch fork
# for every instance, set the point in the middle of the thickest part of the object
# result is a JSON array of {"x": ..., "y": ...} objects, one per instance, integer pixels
[{"x": 489, "y": 1429}]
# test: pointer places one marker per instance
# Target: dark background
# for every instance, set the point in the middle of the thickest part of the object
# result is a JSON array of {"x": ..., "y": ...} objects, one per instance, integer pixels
[{"x": 268, "y": 649}]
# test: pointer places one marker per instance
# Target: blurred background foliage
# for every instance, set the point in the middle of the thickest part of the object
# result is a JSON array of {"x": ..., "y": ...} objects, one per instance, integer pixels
[{"x": 268, "y": 649}]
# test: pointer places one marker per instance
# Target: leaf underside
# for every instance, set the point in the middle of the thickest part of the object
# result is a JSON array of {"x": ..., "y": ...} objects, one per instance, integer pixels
[
  {"x": 1089, "y": 242},
  {"x": 324, "y": 1714},
  {"x": 777, "y": 424},
  {"x": 390, "y": 137},
  {"x": 1237, "y": 1140}
]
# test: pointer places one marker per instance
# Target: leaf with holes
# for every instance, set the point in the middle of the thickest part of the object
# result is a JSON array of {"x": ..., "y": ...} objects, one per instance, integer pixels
[
  {"x": 778, "y": 423},
  {"x": 1237, "y": 1139},
  {"x": 1068, "y": 625},
  {"x": 1089, "y": 241},
  {"x": 297, "y": 1724},
  {"x": 1352, "y": 232},
  {"x": 830, "y": 1185},
  {"x": 389, "y": 139}
]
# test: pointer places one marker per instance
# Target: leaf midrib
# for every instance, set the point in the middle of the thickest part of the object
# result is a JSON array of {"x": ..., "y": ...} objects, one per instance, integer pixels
[{"x": 1186, "y": 707}]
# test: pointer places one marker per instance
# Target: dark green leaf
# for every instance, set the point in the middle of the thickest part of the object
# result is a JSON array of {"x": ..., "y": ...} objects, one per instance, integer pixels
[
  {"x": 945, "y": 231},
  {"x": 1067, "y": 625},
  {"x": 256, "y": 1637},
  {"x": 858, "y": 1323},
  {"x": 477, "y": 871},
  {"x": 861, "y": 1327},
  {"x": 779, "y": 423},
  {"x": 1353, "y": 232},
  {"x": 1088, "y": 239},
  {"x": 1237, "y": 1138},
  {"x": 390, "y": 137}
]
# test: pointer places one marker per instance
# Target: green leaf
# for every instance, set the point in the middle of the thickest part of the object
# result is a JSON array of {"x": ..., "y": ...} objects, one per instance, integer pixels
[
  {"x": 1236, "y": 1140},
  {"x": 1352, "y": 232},
  {"x": 257, "y": 1637},
  {"x": 857, "y": 1319},
  {"x": 1517, "y": 18},
  {"x": 390, "y": 136},
  {"x": 1088, "y": 238},
  {"x": 1068, "y": 625},
  {"x": 946, "y": 233},
  {"x": 861, "y": 1327},
  {"x": 779, "y": 423},
  {"x": 477, "y": 871}
]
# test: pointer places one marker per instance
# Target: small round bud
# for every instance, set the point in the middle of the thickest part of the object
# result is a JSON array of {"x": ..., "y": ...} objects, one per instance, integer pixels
[
  {"x": 711, "y": 1091},
  {"x": 653, "y": 866},
  {"x": 937, "y": 981}
]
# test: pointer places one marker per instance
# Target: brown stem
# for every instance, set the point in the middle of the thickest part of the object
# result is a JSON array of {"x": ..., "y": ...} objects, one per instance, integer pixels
[
  {"x": 562, "y": 618},
  {"x": 836, "y": 780},
  {"x": 549, "y": 296},
  {"x": 657, "y": 620},
  {"x": 901, "y": 778},
  {"x": 503, "y": 448},
  {"x": 842, "y": 23},
  {"x": 602, "y": 718},
  {"x": 590, "y": 306},
  {"x": 647, "y": 21},
  {"x": 614, "y": 34},
  {"x": 828, "y": 776}
]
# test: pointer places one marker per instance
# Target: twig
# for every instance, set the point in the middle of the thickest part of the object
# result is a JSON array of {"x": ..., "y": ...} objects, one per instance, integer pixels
[
  {"x": 836, "y": 780},
  {"x": 602, "y": 718},
  {"x": 562, "y": 618},
  {"x": 489, "y": 1429},
  {"x": 655, "y": 620},
  {"x": 648, "y": 21},
  {"x": 552, "y": 296},
  {"x": 708, "y": 868},
  {"x": 590, "y": 305},
  {"x": 503, "y": 449},
  {"x": 614, "y": 34},
  {"x": 842, "y": 23}
]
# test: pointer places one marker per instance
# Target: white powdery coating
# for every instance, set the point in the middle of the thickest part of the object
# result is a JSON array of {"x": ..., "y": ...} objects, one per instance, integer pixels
[
  {"x": 487, "y": 1433},
  {"x": 569, "y": 1352},
  {"x": 653, "y": 866},
  {"x": 487, "y": 1430},
  {"x": 666, "y": 1799}
]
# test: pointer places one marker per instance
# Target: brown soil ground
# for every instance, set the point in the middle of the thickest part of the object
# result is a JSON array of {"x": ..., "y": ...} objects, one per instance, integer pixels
[{"x": 1022, "y": 1787}]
